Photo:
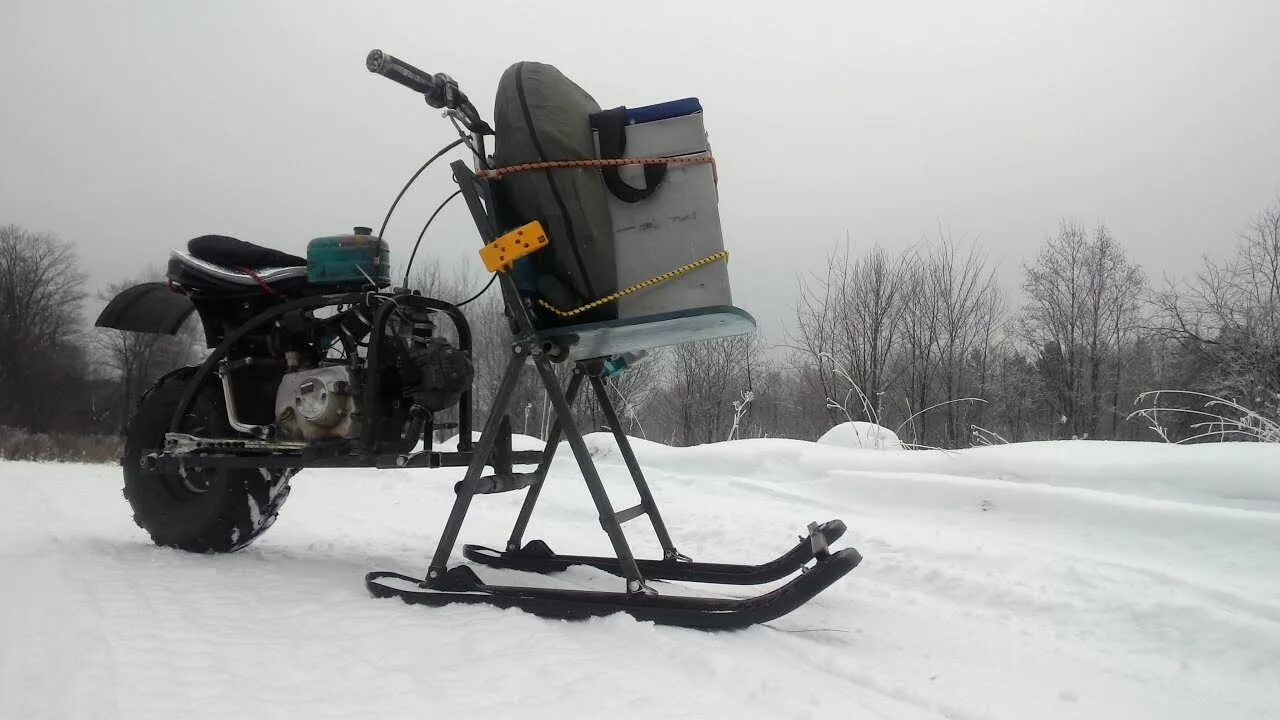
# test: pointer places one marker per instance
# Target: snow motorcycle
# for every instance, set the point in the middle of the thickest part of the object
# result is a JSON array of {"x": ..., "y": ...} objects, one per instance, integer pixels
[{"x": 320, "y": 362}]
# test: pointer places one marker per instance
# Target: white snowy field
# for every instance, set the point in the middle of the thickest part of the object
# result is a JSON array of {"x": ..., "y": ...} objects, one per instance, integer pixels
[{"x": 1043, "y": 580}]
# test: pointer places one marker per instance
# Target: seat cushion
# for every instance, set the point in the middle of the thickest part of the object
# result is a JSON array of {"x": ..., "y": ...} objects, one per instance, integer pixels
[
  {"x": 192, "y": 272},
  {"x": 233, "y": 253}
]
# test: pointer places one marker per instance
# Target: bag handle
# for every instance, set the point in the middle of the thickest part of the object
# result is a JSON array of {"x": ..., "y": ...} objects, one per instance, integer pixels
[{"x": 612, "y": 128}]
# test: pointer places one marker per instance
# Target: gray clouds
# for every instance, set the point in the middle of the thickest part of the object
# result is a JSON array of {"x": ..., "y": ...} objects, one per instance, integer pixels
[{"x": 130, "y": 127}]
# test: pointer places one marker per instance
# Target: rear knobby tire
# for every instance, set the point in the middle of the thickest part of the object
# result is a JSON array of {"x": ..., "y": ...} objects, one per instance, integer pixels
[{"x": 201, "y": 510}]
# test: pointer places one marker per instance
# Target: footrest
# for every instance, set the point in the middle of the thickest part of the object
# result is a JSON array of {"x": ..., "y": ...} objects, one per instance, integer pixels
[
  {"x": 536, "y": 556},
  {"x": 630, "y": 513},
  {"x": 500, "y": 483}
]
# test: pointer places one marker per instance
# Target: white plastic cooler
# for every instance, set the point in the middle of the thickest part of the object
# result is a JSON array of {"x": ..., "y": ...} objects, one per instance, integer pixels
[{"x": 678, "y": 224}]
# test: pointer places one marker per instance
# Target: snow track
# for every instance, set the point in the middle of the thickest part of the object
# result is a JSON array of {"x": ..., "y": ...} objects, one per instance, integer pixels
[{"x": 1015, "y": 582}]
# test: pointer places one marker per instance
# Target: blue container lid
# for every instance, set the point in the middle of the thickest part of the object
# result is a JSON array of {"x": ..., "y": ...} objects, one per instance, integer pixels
[{"x": 661, "y": 111}]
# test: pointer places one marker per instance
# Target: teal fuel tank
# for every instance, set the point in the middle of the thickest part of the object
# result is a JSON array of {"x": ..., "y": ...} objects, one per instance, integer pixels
[{"x": 354, "y": 259}]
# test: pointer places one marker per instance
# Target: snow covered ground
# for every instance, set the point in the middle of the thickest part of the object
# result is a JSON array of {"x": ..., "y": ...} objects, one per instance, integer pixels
[{"x": 1043, "y": 580}]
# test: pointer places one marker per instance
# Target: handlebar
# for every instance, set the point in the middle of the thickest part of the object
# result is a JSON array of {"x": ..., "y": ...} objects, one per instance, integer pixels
[
  {"x": 439, "y": 90},
  {"x": 389, "y": 66}
]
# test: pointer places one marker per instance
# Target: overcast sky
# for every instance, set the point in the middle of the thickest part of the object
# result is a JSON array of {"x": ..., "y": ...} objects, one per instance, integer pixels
[{"x": 128, "y": 128}]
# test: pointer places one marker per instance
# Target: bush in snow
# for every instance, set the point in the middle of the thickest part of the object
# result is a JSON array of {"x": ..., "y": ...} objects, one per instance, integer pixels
[
  {"x": 18, "y": 444},
  {"x": 1219, "y": 419}
]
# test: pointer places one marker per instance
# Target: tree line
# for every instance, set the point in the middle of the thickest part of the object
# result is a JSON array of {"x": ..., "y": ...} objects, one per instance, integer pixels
[
  {"x": 923, "y": 341},
  {"x": 58, "y": 374}
]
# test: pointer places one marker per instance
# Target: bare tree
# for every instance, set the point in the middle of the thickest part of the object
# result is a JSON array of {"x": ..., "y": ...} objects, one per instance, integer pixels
[
  {"x": 1056, "y": 286},
  {"x": 1082, "y": 304},
  {"x": 1122, "y": 287},
  {"x": 848, "y": 322},
  {"x": 1228, "y": 317},
  {"x": 921, "y": 323},
  {"x": 40, "y": 295},
  {"x": 1016, "y": 395},
  {"x": 704, "y": 380},
  {"x": 918, "y": 328},
  {"x": 971, "y": 307}
]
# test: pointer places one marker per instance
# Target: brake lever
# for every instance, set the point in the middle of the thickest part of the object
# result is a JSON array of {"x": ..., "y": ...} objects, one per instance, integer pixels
[{"x": 470, "y": 119}]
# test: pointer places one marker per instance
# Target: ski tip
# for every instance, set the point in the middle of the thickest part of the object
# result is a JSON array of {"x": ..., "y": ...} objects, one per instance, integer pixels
[
  {"x": 850, "y": 556},
  {"x": 833, "y": 529}
]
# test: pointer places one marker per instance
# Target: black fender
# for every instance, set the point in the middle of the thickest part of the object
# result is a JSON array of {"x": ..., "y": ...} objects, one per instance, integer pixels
[{"x": 149, "y": 307}]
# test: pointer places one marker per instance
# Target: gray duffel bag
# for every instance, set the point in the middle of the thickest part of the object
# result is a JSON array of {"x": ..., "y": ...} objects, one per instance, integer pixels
[{"x": 540, "y": 115}]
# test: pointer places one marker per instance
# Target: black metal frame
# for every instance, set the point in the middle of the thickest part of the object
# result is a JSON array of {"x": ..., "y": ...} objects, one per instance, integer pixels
[
  {"x": 362, "y": 452},
  {"x": 529, "y": 348},
  {"x": 444, "y": 585},
  {"x": 561, "y": 399}
]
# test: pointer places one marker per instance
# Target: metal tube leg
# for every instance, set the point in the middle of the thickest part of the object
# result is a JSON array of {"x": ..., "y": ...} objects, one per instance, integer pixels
[
  {"x": 647, "y": 502},
  {"x": 548, "y": 454},
  {"x": 488, "y": 436},
  {"x": 608, "y": 519}
]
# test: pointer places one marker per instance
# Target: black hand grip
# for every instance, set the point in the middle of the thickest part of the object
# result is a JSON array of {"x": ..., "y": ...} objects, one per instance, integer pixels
[
  {"x": 402, "y": 72},
  {"x": 439, "y": 90}
]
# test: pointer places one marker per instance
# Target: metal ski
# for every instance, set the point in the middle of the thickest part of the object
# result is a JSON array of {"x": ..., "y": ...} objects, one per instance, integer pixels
[
  {"x": 537, "y": 557},
  {"x": 461, "y": 585}
]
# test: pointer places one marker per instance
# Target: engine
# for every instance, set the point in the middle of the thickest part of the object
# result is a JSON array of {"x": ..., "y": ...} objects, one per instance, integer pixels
[
  {"x": 425, "y": 376},
  {"x": 319, "y": 403},
  {"x": 434, "y": 374}
]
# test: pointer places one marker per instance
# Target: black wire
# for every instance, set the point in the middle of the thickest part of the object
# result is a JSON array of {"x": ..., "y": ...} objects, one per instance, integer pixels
[
  {"x": 482, "y": 291},
  {"x": 414, "y": 254},
  {"x": 404, "y": 189}
]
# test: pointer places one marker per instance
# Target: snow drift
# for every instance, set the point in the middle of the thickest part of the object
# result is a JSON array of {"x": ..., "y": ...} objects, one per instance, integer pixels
[
  {"x": 1045, "y": 580},
  {"x": 861, "y": 436}
]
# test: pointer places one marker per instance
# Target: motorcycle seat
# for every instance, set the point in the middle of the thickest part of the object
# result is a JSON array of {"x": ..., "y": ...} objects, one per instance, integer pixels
[
  {"x": 190, "y": 271},
  {"x": 232, "y": 253}
]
